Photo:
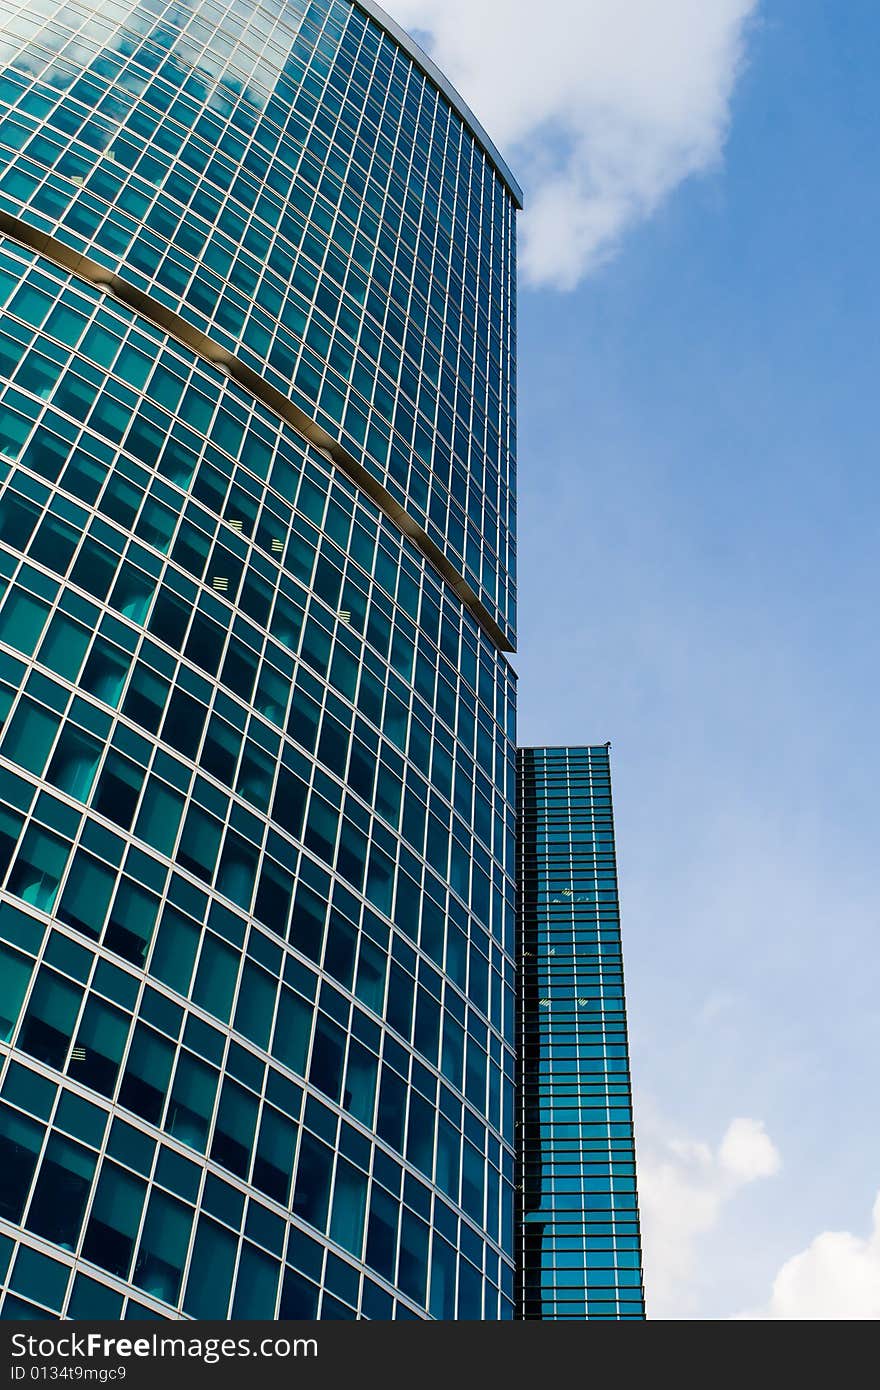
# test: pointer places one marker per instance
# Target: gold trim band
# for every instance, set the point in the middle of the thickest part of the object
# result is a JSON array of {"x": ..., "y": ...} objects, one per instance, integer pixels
[{"x": 172, "y": 323}]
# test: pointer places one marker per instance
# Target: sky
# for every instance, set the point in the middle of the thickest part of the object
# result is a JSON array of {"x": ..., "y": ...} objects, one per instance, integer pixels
[{"x": 699, "y": 518}]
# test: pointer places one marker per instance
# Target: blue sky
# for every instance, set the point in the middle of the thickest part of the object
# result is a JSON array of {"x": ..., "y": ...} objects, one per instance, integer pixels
[{"x": 699, "y": 520}]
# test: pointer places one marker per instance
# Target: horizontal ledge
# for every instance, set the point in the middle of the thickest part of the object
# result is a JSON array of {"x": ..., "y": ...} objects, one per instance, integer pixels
[{"x": 172, "y": 323}]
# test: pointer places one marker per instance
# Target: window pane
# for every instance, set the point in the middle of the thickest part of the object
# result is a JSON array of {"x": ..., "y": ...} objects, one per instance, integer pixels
[
  {"x": 210, "y": 1272},
  {"x": 62, "y": 1190},
  {"x": 238, "y": 868},
  {"x": 328, "y": 1053},
  {"x": 273, "y": 1162},
  {"x": 10, "y": 833},
  {"x": 256, "y": 1004},
  {"x": 147, "y": 1073},
  {"x": 145, "y": 699},
  {"x": 159, "y": 816},
  {"x": 100, "y": 1042},
  {"x": 113, "y": 1224},
  {"x": 132, "y": 594},
  {"x": 22, "y": 621},
  {"x": 192, "y": 1100},
  {"x": 175, "y": 950},
  {"x": 37, "y": 871},
  {"x": 235, "y": 1128},
  {"x": 132, "y": 920},
  {"x": 256, "y": 1284},
  {"x": 64, "y": 646},
  {"x": 118, "y": 790},
  {"x": 360, "y": 1083},
  {"x": 313, "y": 1182},
  {"x": 273, "y": 895},
  {"x": 292, "y": 1031},
  {"x": 200, "y": 843},
  {"x": 382, "y": 1232},
  {"x": 20, "y": 1141},
  {"x": 48, "y": 1024},
  {"x": 162, "y": 1253},
  {"x": 15, "y": 974},
  {"x": 349, "y": 1206},
  {"x": 86, "y": 895},
  {"x": 413, "y": 1271},
  {"x": 74, "y": 763},
  {"x": 215, "y": 977},
  {"x": 29, "y": 736}
]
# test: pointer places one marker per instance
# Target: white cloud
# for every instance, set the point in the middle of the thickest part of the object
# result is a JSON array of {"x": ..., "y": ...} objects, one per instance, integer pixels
[
  {"x": 684, "y": 1185},
  {"x": 747, "y": 1152},
  {"x": 602, "y": 106},
  {"x": 836, "y": 1277}
]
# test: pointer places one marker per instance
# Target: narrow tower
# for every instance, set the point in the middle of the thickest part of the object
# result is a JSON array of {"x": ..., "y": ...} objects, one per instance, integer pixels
[{"x": 578, "y": 1249}]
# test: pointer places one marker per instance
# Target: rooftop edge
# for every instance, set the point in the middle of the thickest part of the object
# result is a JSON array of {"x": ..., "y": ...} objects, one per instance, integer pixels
[{"x": 458, "y": 104}]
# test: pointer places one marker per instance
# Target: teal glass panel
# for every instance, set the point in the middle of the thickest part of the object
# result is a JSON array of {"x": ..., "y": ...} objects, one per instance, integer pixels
[
  {"x": 15, "y": 974},
  {"x": 74, "y": 764},
  {"x": 65, "y": 646},
  {"x": 191, "y": 1102},
  {"x": 20, "y": 1142},
  {"x": 29, "y": 736},
  {"x": 100, "y": 1043},
  {"x": 235, "y": 1127},
  {"x": 200, "y": 843},
  {"x": 132, "y": 921},
  {"x": 274, "y": 1157},
  {"x": 159, "y": 817},
  {"x": 236, "y": 874},
  {"x": 22, "y": 620},
  {"x": 360, "y": 1083},
  {"x": 174, "y": 953},
  {"x": 412, "y": 1271},
  {"x": 211, "y": 1270},
  {"x": 293, "y": 1028},
  {"x": 39, "y": 1277},
  {"x": 256, "y": 1004},
  {"x": 25, "y": 1088},
  {"x": 162, "y": 1252},
  {"x": 93, "y": 1302},
  {"x": 144, "y": 1087},
  {"x": 215, "y": 977},
  {"x": 62, "y": 1191},
  {"x": 114, "y": 1220},
  {"x": 256, "y": 1288},
  {"x": 87, "y": 892},
  {"x": 47, "y": 1027},
  {"x": 349, "y": 1207}
]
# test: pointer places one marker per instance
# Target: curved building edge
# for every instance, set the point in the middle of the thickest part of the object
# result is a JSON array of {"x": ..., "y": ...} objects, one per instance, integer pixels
[{"x": 456, "y": 101}]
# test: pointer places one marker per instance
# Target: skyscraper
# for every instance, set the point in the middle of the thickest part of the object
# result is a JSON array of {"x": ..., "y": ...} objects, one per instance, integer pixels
[
  {"x": 256, "y": 770},
  {"x": 578, "y": 1247}
]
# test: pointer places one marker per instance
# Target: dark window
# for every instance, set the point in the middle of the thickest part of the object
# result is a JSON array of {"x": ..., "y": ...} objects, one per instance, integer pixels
[
  {"x": 114, "y": 1221},
  {"x": 313, "y": 1181},
  {"x": 20, "y": 1141},
  {"x": 273, "y": 1161},
  {"x": 147, "y": 1073},
  {"x": 100, "y": 1042},
  {"x": 118, "y": 790},
  {"x": 48, "y": 1024},
  {"x": 62, "y": 1190},
  {"x": 328, "y": 1056}
]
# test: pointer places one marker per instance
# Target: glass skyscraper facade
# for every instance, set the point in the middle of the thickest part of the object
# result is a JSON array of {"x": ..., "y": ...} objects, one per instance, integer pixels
[
  {"x": 257, "y": 773},
  {"x": 578, "y": 1245}
]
